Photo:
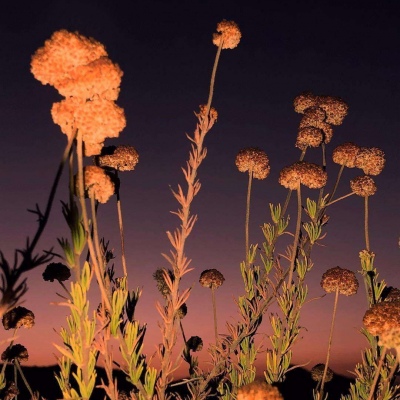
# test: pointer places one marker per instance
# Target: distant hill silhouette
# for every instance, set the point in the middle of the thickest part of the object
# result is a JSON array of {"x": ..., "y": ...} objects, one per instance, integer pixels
[{"x": 297, "y": 386}]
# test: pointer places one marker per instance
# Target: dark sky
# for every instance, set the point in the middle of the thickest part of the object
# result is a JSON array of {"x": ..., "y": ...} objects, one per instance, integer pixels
[{"x": 341, "y": 48}]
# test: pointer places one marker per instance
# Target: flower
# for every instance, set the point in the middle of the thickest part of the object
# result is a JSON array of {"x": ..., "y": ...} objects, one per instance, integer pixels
[
  {"x": 162, "y": 285},
  {"x": 340, "y": 278},
  {"x": 97, "y": 183},
  {"x": 345, "y": 154},
  {"x": 317, "y": 373},
  {"x": 195, "y": 343},
  {"x": 309, "y": 174},
  {"x": 335, "y": 108},
  {"x": 391, "y": 294},
  {"x": 182, "y": 311},
  {"x": 15, "y": 352},
  {"x": 17, "y": 317},
  {"x": 11, "y": 391},
  {"x": 258, "y": 390},
  {"x": 371, "y": 160},
  {"x": 56, "y": 271},
  {"x": 229, "y": 33},
  {"x": 211, "y": 278},
  {"x": 254, "y": 160},
  {"x": 315, "y": 117},
  {"x": 382, "y": 317},
  {"x": 304, "y": 101},
  {"x": 390, "y": 339},
  {"x": 309, "y": 136},
  {"x": 363, "y": 186},
  {"x": 121, "y": 158}
]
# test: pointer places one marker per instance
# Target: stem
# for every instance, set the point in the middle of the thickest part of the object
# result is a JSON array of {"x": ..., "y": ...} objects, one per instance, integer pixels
[
  {"x": 366, "y": 230},
  {"x": 321, "y": 392},
  {"x": 376, "y": 375},
  {"x": 215, "y": 313},
  {"x": 336, "y": 183},
  {"x": 212, "y": 81},
  {"x": 121, "y": 232},
  {"x": 248, "y": 217},
  {"x": 16, "y": 363},
  {"x": 296, "y": 237},
  {"x": 340, "y": 198}
]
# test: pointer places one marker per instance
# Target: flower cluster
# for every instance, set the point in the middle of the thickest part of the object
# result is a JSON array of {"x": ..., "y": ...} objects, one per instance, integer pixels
[
  {"x": 363, "y": 186},
  {"x": 308, "y": 174},
  {"x": 340, "y": 278},
  {"x": 346, "y": 154},
  {"x": 78, "y": 67},
  {"x": 15, "y": 352},
  {"x": 120, "y": 158},
  {"x": 211, "y": 278},
  {"x": 317, "y": 373},
  {"x": 56, "y": 271},
  {"x": 254, "y": 160},
  {"x": 382, "y": 317},
  {"x": 371, "y": 160},
  {"x": 18, "y": 317},
  {"x": 259, "y": 390},
  {"x": 229, "y": 33}
]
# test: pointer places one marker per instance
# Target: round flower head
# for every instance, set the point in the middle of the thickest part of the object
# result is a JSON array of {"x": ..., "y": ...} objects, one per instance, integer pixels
[
  {"x": 121, "y": 158},
  {"x": 391, "y": 339},
  {"x": 304, "y": 101},
  {"x": 371, "y": 160},
  {"x": 211, "y": 278},
  {"x": 317, "y": 373},
  {"x": 61, "y": 54},
  {"x": 97, "y": 183},
  {"x": 315, "y": 117},
  {"x": 340, "y": 278},
  {"x": 56, "y": 271},
  {"x": 382, "y": 317},
  {"x": 309, "y": 137},
  {"x": 363, "y": 186},
  {"x": 17, "y": 317},
  {"x": 229, "y": 33},
  {"x": 15, "y": 352},
  {"x": 309, "y": 174},
  {"x": 195, "y": 343},
  {"x": 258, "y": 390},
  {"x": 391, "y": 294},
  {"x": 335, "y": 108},
  {"x": 182, "y": 311},
  {"x": 345, "y": 154},
  {"x": 254, "y": 160}
]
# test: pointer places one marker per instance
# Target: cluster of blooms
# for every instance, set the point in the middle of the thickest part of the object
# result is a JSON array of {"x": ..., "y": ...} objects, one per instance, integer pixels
[
  {"x": 259, "y": 390},
  {"x": 18, "y": 317},
  {"x": 254, "y": 160},
  {"x": 363, "y": 186},
  {"x": 382, "y": 318},
  {"x": 319, "y": 113},
  {"x": 120, "y": 158},
  {"x": 340, "y": 278},
  {"x": 229, "y": 33},
  {"x": 308, "y": 174},
  {"x": 317, "y": 373},
  {"x": 212, "y": 112},
  {"x": 56, "y": 271},
  {"x": 211, "y": 278},
  {"x": 78, "y": 67}
]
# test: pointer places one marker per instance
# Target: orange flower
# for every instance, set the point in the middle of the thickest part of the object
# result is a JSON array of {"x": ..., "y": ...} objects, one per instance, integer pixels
[
  {"x": 363, "y": 186},
  {"x": 309, "y": 174},
  {"x": 371, "y": 160},
  {"x": 346, "y": 154},
  {"x": 254, "y": 160},
  {"x": 229, "y": 33},
  {"x": 97, "y": 183},
  {"x": 340, "y": 278},
  {"x": 309, "y": 136}
]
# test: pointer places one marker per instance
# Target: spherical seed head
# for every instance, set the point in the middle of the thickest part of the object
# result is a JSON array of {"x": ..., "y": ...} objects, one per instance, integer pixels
[
  {"x": 335, "y": 108},
  {"x": 309, "y": 137},
  {"x": 229, "y": 33},
  {"x": 363, "y": 186},
  {"x": 182, "y": 311},
  {"x": 18, "y": 317},
  {"x": 340, "y": 278},
  {"x": 17, "y": 351},
  {"x": 317, "y": 373},
  {"x": 195, "y": 343},
  {"x": 97, "y": 183},
  {"x": 258, "y": 390},
  {"x": 345, "y": 154},
  {"x": 304, "y": 101},
  {"x": 121, "y": 158},
  {"x": 56, "y": 271},
  {"x": 309, "y": 174},
  {"x": 391, "y": 294},
  {"x": 391, "y": 339},
  {"x": 211, "y": 278},
  {"x": 371, "y": 160},
  {"x": 315, "y": 117},
  {"x": 382, "y": 317},
  {"x": 255, "y": 160}
]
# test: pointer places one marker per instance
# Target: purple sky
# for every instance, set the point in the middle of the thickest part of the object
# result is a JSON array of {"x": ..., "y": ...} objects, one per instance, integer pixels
[{"x": 165, "y": 51}]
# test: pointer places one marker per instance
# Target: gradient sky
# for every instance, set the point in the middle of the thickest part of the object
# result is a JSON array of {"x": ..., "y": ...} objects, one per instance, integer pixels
[{"x": 343, "y": 48}]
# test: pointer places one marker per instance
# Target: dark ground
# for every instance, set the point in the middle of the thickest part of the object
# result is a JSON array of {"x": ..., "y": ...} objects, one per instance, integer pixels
[{"x": 298, "y": 384}]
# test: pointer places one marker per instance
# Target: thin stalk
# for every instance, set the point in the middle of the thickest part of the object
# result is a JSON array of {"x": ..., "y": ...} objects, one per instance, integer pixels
[
  {"x": 215, "y": 313},
  {"x": 16, "y": 363},
  {"x": 366, "y": 230},
  {"x": 296, "y": 237},
  {"x": 248, "y": 216},
  {"x": 377, "y": 373},
  {"x": 214, "y": 71},
  {"x": 340, "y": 198},
  {"x": 321, "y": 392},
  {"x": 336, "y": 183},
  {"x": 121, "y": 232}
]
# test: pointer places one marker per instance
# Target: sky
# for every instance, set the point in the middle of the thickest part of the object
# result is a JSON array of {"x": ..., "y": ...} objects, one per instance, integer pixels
[{"x": 341, "y": 48}]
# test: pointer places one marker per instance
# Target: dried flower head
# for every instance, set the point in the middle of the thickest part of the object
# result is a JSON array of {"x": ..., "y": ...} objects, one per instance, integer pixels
[
  {"x": 182, "y": 311},
  {"x": 195, "y": 343},
  {"x": 11, "y": 391},
  {"x": 17, "y": 317},
  {"x": 304, "y": 101},
  {"x": 340, "y": 278},
  {"x": 211, "y": 278},
  {"x": 315, "y": 117},
  {"x": 97, "y": 183},
  {"x": 259, "y": 390},
  {"x": 121, "y": 158},
  {"x": 391, "y": 294},
  {"x": 254, "y": 160},
  {"x": 122, "y": 395},
  {"x": 15, "y": 352},
  {"x": 345, "y": 154},
  {"x": 382, "y": 317},
  {"x": 203, "y": 110},
  {"x": 371, "y": 160},
  {"x": 309, "y": 137},
  {"x": 229, "y": 33},
  {"x": 363, "y": 186},
  {"x": 56, "y": 271},
  {"x": 317, "y": 373},
  {"x": 391, "y": 339},
  {"x": 335, "y": 108},
  {"x": 309, "y": 174},
  {"x": 159, "y": 277}
]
